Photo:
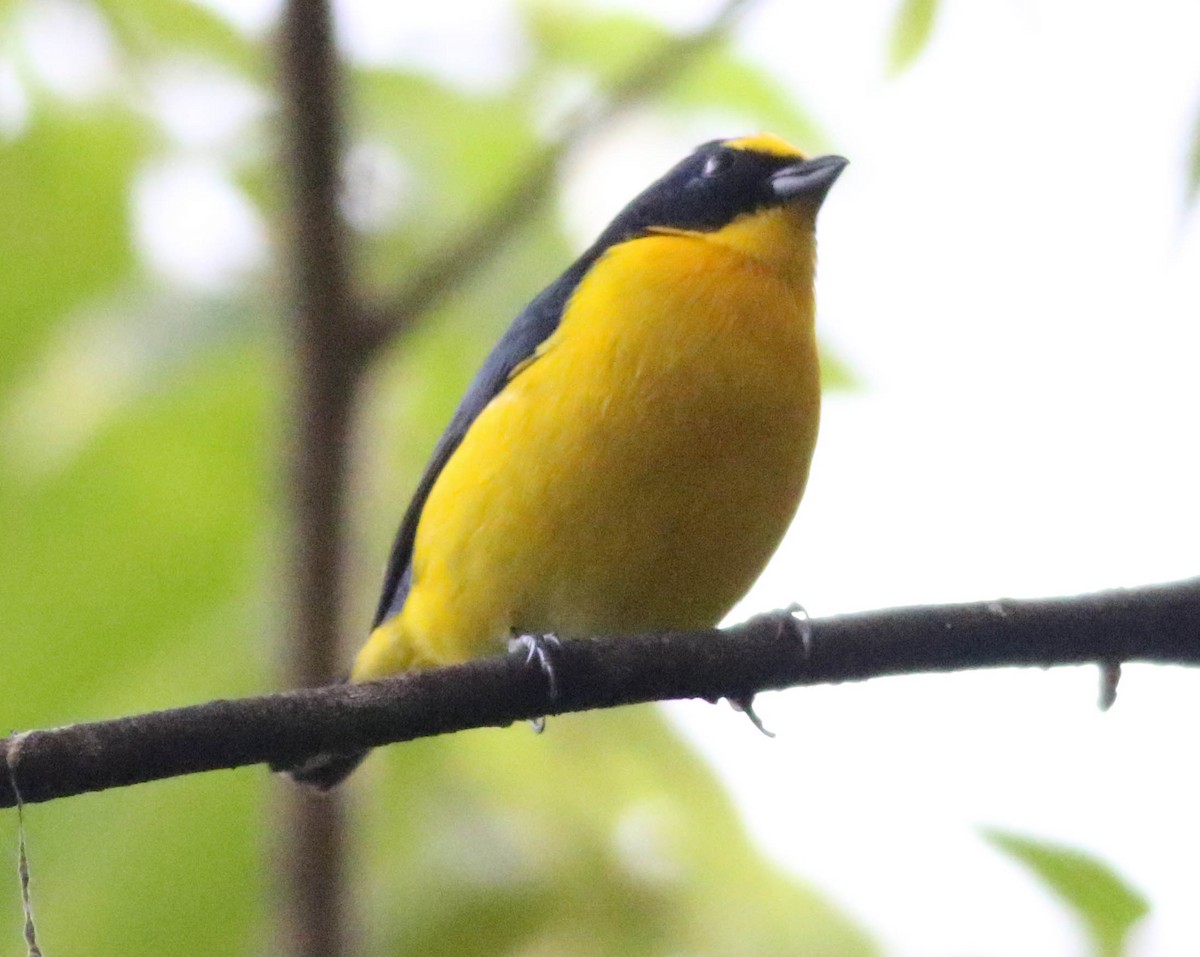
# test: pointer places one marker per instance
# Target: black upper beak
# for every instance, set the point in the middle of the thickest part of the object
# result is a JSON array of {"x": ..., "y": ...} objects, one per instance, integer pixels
[{"x": 808, "y": 179}]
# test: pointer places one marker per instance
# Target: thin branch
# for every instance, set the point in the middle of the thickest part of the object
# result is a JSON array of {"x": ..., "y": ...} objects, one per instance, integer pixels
[
  {"x": 1156, "y": 623},
  {"x": 481, "y": 240},
  {"x": 325, "y": 375}
]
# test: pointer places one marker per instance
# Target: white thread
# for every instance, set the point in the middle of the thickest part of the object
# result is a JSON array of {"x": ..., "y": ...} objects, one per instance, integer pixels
[{"x": 11, "y": 756}]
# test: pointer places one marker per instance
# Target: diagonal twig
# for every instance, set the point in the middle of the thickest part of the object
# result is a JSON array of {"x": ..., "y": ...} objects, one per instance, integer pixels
[{"x": 466, "y": 253}]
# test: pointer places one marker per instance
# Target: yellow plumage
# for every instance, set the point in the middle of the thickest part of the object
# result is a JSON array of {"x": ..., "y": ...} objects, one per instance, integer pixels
[
  {"x": 638, "y": 474},
  {"x": 636, "y": 469}
]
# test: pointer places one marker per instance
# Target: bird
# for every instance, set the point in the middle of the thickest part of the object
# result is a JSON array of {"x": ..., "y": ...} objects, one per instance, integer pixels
[{"x": 631, "y": 452}]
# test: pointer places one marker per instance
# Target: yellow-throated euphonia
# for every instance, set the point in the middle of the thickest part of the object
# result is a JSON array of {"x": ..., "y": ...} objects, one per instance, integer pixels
[{"x": 633, "y": 449}]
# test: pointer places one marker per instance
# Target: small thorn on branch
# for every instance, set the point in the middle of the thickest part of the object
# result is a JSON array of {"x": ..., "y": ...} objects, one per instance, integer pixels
[{"x": 1110, "y": 677}]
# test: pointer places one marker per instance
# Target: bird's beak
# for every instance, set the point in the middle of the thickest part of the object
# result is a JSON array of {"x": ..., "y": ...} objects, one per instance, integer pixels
[{"x": 808, "y": 179}]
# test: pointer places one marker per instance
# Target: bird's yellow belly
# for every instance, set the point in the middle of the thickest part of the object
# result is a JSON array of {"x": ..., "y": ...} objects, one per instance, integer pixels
[{"x": 637, "y": 475}]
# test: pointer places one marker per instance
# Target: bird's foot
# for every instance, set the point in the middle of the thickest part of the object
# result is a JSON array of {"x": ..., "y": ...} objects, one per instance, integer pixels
[
  {"x": 540, "y": 649},
  {"x": 796, "y": 619},
  {"x": 798, "y": 615}
]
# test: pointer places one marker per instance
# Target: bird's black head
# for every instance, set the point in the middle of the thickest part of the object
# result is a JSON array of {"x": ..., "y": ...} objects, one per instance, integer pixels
[{"x": 725, "y": 179}]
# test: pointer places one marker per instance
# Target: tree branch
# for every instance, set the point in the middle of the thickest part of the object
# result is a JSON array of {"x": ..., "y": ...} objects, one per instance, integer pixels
[
  {"x": 468, "y": 252},
  {"x": 1155, "y": 623},
  {"x": 325, "y": 376}
]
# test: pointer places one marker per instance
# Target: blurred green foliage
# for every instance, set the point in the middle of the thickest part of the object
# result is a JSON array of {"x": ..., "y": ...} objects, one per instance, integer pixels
[
  {"x": 1104, "y": 904},
  {"x": 64, "y": 238},
  {"x": 142, "y": 417},
  {"x": 912, "y": 27}
]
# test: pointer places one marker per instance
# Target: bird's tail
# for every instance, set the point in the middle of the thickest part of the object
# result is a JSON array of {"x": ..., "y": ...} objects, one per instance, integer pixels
[
  {"x": 386, "y": 652},
  {"x": 325, "y": 771}
]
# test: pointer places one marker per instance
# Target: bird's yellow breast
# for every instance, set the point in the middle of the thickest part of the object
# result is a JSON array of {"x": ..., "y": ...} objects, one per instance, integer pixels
[{"x": 638, "y": 472}]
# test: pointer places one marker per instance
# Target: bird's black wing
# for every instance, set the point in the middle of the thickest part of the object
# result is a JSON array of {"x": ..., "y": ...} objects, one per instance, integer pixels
[{"x": 529, "y": 330}]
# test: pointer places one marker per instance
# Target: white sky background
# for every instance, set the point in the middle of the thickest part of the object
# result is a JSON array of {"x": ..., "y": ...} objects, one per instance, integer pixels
[{"x": 1008, "y": 267}]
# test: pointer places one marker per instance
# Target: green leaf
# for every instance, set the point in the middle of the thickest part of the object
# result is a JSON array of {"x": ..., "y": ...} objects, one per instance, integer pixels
[
  {"x": 911, "y": 30},
  {"x": 1107, "y": 906}
]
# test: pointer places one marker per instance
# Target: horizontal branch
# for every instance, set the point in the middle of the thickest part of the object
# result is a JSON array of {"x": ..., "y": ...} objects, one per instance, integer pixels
[{"x": 1156, "y": 623}]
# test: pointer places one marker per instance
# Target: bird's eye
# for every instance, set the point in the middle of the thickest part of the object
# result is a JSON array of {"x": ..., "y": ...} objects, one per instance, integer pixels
[{"x": 717, "y": 164}]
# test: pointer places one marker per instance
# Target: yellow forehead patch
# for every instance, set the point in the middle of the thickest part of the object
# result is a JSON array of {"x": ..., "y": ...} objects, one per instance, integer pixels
[{"x": 767, "y": 143}]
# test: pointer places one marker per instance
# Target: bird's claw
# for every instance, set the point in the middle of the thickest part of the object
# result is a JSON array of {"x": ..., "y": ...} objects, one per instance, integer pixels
[
  {"x": 793, "y": 618},
  {"x": 539, "y": 648},
  {"x": 803, "y": 624}
]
